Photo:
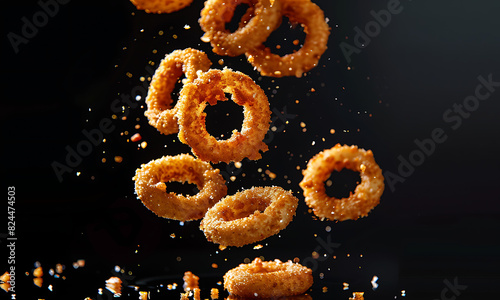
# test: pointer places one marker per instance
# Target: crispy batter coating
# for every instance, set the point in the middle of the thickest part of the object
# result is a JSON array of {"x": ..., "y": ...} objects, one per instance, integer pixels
[
  {"x": 151, "y": 189},
  {"x": 317, "y": 31},
  {"x": 267, "y": 279},
  {"x": 249, "y": 216},
  {"x": 160, "y": 112},
  {"x": 262, "y": 18},
  {"x": 161, "y": 6},
  {"x": 366, "y": 195},
  {"x": 209, "y": 88}
]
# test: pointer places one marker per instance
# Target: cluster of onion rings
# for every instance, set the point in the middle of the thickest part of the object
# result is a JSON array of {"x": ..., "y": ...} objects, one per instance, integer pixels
[
  {"x": 268, "y": 279},
  {"x": 209, "y": 88},
  {"x": 263, "y": 18},
  {"x": 366, "y": 195},
  {"x": 161, "y": 6},
  {"x": 249, "y": 216},
  {"x": 151, "y": 189},
  {"x": 160, "y": 112},
  {"x": 317, "y": 31}
]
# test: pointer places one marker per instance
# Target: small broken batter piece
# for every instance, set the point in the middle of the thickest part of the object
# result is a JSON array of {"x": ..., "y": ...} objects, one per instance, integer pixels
[
  {"x": 114, "y": 284},
  {"x": 190, "y": 281},
  {"x": 357, "y": 296}
]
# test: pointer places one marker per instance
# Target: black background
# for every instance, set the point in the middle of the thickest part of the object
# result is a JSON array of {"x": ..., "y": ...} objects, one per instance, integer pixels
[{"x": 441, "y": 224}]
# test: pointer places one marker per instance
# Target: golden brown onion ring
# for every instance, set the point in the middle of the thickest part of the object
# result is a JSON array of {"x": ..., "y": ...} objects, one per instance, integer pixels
[
  {"x": 161, "y": 6},
  {"x": 160, "y": 112},
  {"x": 249, "y": 216},
  {"x": 151, "y": 189},
  {"x": 268, "y": 279},
  {"x": 317, "y": 31},
  {"x": 366, "y": 195},
  {"x": 262, "y": 18},
  {"x": 209, "y": 88}
]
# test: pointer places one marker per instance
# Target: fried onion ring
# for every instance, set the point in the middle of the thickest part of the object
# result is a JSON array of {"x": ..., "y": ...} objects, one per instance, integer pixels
[
  {"x": 366, "y": 195},
  {"x": 160, "y": 112},
  {"x": 161, "y": 6},
  {"x": 262, "y": 18},
  {"x": 249, "y": 216},
  {"x": 151, "y": 189},
  {"x": 209, "y": 88},
  {"x": 268, "y": 279},
  {"x": 317, "y": 31}
]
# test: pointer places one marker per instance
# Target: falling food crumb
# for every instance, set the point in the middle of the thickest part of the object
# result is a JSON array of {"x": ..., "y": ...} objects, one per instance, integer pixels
[
  {"x": 196, "y": 295},
  {"x": 259, "y": 246},
  {"x": 346, "y": 286},
  {"x": 114, "y": 284},
  {"x": 187, "y": 27},
  {"x": 215, "y": 266},
  {"x": 143, "y": 295},
  {"x": 270, "y": 174},
  {"x": 325, "y": 289},
  {"x": 190, "y": 281},
  {"x": 144, "y": 145},
  {"x": 136, "y": 137},
  {"x": 374, "y": 282},
  {"x": 214, "y": 293},
  {"x": 118, "y": 159}
]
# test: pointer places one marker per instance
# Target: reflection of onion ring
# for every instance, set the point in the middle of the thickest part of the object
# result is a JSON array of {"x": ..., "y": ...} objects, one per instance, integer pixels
[
  {"x": 366, "y": 195},
  {"x": 160, "y": 113},
  {"x": 209, "y": 88},
  {"x": 268, "y": 279},
  {"x": 161, "y": 6},
  {"x": 265, "y": 17},
  {"x": 150, "y": 187},
  {"x": 295, "y": 64},
  {"x": 249, "y": 216}
]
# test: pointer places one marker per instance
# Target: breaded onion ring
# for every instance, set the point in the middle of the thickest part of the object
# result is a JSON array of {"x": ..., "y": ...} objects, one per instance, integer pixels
[
  {"x": 161, "y": 6},
  {"x": 209, "y": 88},
  {"x": 151, "y": 189},
  {"x": 317, "y": 31},
  {"x": 262, "y": 18},
  {"x": 159, "y": 101},
  {"x": 366, "y": 195},
  {"x": 268, "y": 279},
  {"x": 249, "y": 216}
]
